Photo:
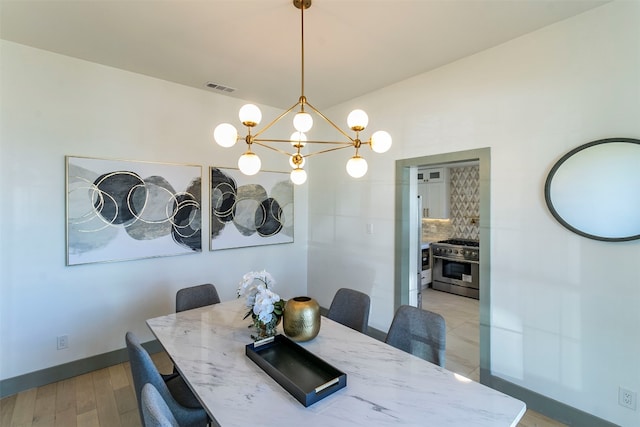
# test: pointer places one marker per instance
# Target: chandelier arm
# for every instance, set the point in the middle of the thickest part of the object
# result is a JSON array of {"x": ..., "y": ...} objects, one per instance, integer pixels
[
  {"x": 327, "y": 151},
  {"x": 288, "y": 141},
  {"x": 347, "y": 144},
  {"x": 330, "y": 122},
  {"x": 262, "y": 144},
  {"x": 286, "y": 153},
  {"x": 276, "y": 120}
]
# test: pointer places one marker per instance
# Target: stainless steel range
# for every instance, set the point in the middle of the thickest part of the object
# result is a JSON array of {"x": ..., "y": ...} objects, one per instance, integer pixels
[{"x": 456, "y": 267}]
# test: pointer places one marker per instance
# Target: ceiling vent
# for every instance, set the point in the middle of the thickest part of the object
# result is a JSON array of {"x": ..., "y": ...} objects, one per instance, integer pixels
[{"x": 221, "y": 88}]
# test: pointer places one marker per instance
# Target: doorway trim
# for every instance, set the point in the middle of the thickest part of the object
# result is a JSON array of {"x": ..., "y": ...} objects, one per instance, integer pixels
[
  {"x": 402, "y": 238},
  {"x": 535, "y": 401}
]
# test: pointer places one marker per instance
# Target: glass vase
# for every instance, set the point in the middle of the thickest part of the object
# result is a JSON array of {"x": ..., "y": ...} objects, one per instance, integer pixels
[{"x": 265, "y": 330}]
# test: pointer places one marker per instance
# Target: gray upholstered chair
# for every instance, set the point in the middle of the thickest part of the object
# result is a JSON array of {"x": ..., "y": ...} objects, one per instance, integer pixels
[
  {"x": 351, "y": 308},
  {"x": 155, "y": 412},
  {"x": 183, "y": 404},
  {"x": 419, "y": 332},
  {"x": 196, "y": 296}
]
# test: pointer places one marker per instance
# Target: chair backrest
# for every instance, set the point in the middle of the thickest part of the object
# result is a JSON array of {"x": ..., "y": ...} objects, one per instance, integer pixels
[
  {"x": 144, "y": 371},
  {"x": 351, "y": 308},
  {"x": 419, "y": 332},
  {"x": 155, "y": 412},
  {"x": 196, "y": 296}
]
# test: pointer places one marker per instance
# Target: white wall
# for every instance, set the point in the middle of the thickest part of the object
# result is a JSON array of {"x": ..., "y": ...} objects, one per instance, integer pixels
[
  {"x": 565, "y": 317},
  {"x": 565, "y": 309},
  {"x": 54, "y": 106}
]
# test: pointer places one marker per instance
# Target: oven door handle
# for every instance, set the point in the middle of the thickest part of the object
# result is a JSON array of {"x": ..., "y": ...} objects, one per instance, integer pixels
[{"x": 456, "y": 259}]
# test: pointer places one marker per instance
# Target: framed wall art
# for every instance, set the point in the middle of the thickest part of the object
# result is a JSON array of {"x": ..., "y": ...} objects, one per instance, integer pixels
[
  {"x": 120, "y": 210},
  {"x": 250, "y": 210}
]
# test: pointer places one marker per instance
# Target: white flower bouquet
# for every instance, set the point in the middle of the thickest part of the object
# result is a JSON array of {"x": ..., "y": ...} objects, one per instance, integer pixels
[{"x": 265, "y": 306}]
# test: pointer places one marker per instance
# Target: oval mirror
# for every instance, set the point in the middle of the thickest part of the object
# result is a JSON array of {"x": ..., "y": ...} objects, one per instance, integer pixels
[{"x": 594, "y": 190}]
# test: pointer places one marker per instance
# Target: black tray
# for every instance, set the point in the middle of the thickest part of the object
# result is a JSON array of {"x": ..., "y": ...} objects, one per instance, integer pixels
[{"x": 307, "y": 377}]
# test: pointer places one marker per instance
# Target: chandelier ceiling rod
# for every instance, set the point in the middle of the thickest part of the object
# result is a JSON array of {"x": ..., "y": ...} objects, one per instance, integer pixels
[
  {"x": 249, "y": 163},
  {"x": 302, "y": 7}
]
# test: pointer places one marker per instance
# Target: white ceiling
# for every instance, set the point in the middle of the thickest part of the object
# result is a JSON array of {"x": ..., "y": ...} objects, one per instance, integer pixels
[{"x": 352, "y": 47}]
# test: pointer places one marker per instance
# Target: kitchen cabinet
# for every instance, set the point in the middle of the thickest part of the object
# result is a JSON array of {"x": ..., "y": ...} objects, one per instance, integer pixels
[{"x": 433, "y": 187}]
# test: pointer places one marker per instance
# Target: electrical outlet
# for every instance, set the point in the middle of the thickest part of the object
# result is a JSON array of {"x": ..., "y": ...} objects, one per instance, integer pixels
[
  {"x": 627, "y": 398},
  {"x": 63, "y": 342}
]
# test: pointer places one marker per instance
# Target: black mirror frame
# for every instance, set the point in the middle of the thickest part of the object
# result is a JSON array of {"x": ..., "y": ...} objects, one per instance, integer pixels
[{"x": 554, "y": 169}]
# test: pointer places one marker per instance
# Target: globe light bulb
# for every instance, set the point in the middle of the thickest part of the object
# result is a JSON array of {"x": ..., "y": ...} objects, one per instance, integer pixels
[
  {"x": 298, "y": 176},
  {"x": 292, "y": 161},
  {"x": 380, "y": 141},
  {"x": 249, "y": 163},
  {"x": 298, "y": 138},
  {"x": 302, "y": 121},
  {"x": 357, "y": 120},
  {"x": 250, "y": 115},
  {"x": 225, "y": 135},
  {"x": 357, "y": 167}
]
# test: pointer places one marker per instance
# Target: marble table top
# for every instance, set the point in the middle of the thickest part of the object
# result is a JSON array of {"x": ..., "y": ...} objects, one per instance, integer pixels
[{"x": 385, "y": 386}]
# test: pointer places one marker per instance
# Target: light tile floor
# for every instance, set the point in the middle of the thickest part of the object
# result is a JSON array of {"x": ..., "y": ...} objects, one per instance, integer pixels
[{"x": 462, "y": 317}]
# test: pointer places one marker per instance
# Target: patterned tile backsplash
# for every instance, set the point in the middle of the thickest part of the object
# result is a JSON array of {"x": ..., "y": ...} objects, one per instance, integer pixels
[
  {"x": 434, "y": 230},
  {"x": 464, "y": 209}
]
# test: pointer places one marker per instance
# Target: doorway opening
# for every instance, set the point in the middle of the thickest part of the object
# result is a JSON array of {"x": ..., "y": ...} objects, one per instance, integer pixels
[{"x": 406, "y": 249}]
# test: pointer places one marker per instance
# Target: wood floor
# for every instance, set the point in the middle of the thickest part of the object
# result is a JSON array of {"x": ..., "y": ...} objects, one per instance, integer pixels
[
  {"x": 105, "y": 398},
  {"x": 99, "y": 398}
]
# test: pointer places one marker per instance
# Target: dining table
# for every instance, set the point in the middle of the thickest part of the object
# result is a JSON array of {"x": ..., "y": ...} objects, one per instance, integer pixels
[{"x": 385, "y": 385}]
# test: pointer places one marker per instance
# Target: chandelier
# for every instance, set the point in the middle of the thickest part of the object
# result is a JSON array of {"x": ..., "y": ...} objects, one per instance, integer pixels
[{"x": 226, "y": 135}]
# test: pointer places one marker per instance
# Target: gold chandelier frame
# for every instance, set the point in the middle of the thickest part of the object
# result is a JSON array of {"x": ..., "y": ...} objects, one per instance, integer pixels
[{"x": 226, "y": 135}]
